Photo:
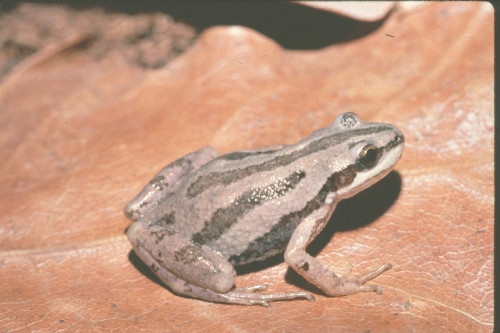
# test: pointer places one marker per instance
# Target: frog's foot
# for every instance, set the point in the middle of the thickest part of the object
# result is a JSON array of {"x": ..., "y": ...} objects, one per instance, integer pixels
[
  {"x": 247, "y": 296},
  {"x": 241, "y": 296},
  {"x": 355, "y": 285}
]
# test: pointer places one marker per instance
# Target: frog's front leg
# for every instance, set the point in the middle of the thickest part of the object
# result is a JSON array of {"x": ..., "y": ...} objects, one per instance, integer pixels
[
  {"x": 160, "y": 186},
  {"x": 194, "y": 270},
  {"x": 315, "y": 272}
]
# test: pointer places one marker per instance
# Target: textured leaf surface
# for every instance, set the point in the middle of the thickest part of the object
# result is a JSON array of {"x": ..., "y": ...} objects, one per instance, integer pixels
[{"x": 81, "y": 133}]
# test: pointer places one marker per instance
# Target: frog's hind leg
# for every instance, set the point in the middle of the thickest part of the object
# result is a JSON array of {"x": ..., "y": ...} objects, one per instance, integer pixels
[
  {"x": 160, "y": 186},
  {"x": 194, "y": 270}
]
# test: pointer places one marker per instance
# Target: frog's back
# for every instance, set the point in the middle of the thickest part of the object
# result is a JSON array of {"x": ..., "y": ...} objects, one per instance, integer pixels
[
  {"x": 247, "y": 204},
  {"x": 239, "y": 203}
]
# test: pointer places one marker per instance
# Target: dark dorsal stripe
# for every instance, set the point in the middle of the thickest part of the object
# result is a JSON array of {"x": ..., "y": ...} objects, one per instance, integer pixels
[
  {"x": 223, "y": 218},
  {"x": 276, "y": 240},
  {"x": 238, "y": 155},
  {"x": 227, "y": 177}
]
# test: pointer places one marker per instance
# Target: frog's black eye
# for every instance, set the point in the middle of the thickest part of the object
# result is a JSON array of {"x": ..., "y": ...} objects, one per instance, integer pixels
[{"x": 368, "y": 156}]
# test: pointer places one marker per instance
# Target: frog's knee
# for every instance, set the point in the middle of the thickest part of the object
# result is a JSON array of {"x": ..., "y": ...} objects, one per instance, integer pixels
[
  {"x": 134, "y": 233},
  {"x": 196, "y": 264}
]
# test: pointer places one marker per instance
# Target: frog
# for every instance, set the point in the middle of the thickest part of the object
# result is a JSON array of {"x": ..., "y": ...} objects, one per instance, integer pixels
[{"x": 204, "y": 214}]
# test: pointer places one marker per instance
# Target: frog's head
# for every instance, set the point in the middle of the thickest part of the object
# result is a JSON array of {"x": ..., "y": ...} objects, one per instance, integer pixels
[{"x": 370, "y": 149}]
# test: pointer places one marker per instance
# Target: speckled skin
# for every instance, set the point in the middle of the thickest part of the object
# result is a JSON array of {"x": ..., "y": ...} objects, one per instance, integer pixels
[{"x": 203, "y": 214}]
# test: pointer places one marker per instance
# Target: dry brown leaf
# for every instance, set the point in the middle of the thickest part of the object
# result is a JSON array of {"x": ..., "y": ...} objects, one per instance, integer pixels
[
  {"x": 358, "y": 10},
  {"x": 81, "y": 135}
]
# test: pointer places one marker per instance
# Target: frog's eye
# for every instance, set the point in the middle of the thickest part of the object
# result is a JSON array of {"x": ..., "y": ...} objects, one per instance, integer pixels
[{"x": 368, "y": 156}]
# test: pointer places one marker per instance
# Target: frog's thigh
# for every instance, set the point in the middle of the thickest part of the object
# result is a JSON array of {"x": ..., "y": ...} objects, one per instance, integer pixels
[
  {"x": 315, "y": 272},
  {"x": 162, "y": 183},
  {"x": 177, "y": 260}
]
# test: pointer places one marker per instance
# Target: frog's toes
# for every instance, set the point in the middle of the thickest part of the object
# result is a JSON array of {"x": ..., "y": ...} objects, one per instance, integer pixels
[
  {"x": 376, "y": 272},
  {"x": 309, "y": 297},
  {"x": 376, "y": 289},
  {"x": 260, "y": 302},
  {"x": 250, "y": 296}
]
